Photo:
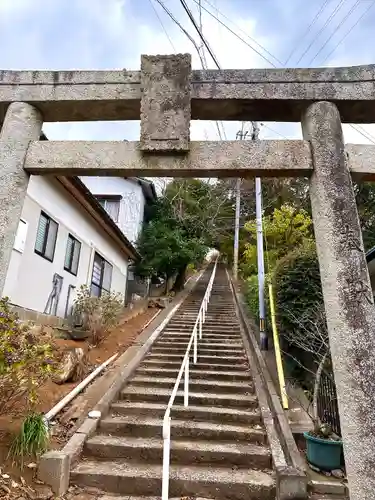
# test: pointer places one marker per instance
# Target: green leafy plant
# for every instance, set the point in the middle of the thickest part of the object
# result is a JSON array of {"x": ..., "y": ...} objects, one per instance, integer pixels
[
  {"x": 26, "y": 360},
  {"x": 32, "y": 440},
  {"x": 284, "y": 230},
  {"x": 99, "y": 314},
  {"x": 296, "y": 281}
]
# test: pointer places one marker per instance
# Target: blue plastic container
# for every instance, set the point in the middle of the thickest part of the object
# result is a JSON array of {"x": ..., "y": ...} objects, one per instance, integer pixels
[{"x": 323, "y": 453}]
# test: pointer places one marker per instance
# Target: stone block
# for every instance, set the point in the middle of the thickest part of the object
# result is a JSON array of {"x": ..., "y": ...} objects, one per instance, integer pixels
[
  {"x": 74, "y": 447},
  {"x": 88, "y": 427},
  {"x": 291, "y": 484},
  {"x": 165, "y": 103},
  {"x": 54, "y": 470}
]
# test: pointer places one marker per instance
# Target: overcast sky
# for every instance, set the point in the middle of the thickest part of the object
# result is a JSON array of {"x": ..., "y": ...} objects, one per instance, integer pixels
[{"x": 107, "y": 34}]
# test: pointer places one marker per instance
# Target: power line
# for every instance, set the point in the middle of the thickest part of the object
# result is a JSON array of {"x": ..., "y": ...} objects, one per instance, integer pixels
[
  {"x": 274, "y": 131},
  {"x": 203, "y": 61},
  {"x": 353, "y": 8},
  {"x": 206, "y": 44},
  {"x": 181, "y": 27},
  {"x": 162, "y": 25},
  {"x": 333, "y": 14},
  {"x": 363, "y": 132},
  {"x": 317, "y": 15},
  {"x": 349, "y": 31},
  {"x": 241, "y": 30}
]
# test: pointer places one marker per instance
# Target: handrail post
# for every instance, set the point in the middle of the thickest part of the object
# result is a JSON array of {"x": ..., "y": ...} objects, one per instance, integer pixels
[
  {"x": 166, "y": 457},
  {"x": 200, "y": 326},
  {"x": 195, "y": 344},
  {"x": 186, "y": 384}
]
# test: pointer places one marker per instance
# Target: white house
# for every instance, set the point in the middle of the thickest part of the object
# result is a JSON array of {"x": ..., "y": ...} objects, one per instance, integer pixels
[
  {"x": 125, "y": 199},
  {"x": 65, "y": 239}
]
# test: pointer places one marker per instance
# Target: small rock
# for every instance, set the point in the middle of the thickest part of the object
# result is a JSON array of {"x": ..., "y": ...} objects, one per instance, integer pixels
[
  {"x": 312, "y": 467},
  {"x": 32, "y": 465},
  {"x": 338, "y": 473},
  {"x": 5, "y": 476},
  {"x": 68, "y": 365},
  {"x": 95, "y": 414}
]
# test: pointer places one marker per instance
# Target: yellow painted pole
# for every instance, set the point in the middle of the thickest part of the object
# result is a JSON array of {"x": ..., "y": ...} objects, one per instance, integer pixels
[{"x": 279, "y": 361}]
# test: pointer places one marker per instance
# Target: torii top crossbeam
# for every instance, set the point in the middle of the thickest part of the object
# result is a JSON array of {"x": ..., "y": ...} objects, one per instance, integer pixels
[{"x": 254, "y": 94}]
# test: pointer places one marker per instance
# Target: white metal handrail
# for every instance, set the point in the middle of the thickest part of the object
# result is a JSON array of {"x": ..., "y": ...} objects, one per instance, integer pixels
[{"x": 201, "y": 318}]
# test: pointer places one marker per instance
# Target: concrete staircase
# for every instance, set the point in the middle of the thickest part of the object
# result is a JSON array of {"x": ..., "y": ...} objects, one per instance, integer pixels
[{"x": 219, "y": 446}]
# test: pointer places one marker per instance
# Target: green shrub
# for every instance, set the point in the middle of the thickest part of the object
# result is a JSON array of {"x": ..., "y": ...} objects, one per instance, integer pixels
[
  {"x": 32, "y": 440},
  {"x": 26, "y": 360},
  {"x": 252, "y": 296},
  {"x": 297, "y": 288},
  {"x": 99, "y": 314}
]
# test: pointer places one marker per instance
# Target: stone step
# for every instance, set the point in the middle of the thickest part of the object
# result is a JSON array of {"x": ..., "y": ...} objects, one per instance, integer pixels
[
  {"x": 150, "y": 450},
  {"x": 327, "y": 497},
  {"x": 199, "y": 366},
  {"x": 210, "y": 482},
  {"x": 208, "y": 325},
  {"x": 218, "y": 376},
  {"x": 191, "y": 413},
  {"x": 201, "y": 349},
  {"x": 146, "y": 426},
  {"x": 140, "y": 393},
  {"x": 202, "y": 344},
  {"x": 195, "y": 385},
  {"x": 212, "y": 360},
  {"x": 206, "y": 339}
]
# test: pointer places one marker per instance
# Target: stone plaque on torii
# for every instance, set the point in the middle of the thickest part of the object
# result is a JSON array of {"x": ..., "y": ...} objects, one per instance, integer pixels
[{"x": 166, "y": 94}]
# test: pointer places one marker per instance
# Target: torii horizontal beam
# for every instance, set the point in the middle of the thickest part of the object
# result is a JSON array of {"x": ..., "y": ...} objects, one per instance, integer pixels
[
  {"x": 290, "y": 158},
  {"x": 254, "y": 94}
]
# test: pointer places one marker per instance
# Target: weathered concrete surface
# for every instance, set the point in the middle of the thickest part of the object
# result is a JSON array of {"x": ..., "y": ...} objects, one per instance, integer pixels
[
  {"x": 290, "y": 158},
  {"x": 165, "y": 103},
  {"x": 361, "y": 161},
  {"x": 205, "y": 159},
  {"x": 255, "y": 94},
  {"x": 347, "y": 294},
  {"x": 54, "y": 470},
  {"x": 22, "y": 124}
]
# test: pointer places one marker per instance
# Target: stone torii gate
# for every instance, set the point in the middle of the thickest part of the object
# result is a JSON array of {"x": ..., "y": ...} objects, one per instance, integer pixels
[{"x": 166, "y": 94}]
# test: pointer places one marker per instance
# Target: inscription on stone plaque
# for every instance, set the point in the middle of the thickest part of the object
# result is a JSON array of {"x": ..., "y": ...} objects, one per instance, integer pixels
[{"x": 165, "y": 103}]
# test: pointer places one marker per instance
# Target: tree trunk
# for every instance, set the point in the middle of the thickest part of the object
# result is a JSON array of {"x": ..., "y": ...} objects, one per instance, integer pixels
[
  {"x": 180, "y": 280},
  {"x": 166, "y": 285}
]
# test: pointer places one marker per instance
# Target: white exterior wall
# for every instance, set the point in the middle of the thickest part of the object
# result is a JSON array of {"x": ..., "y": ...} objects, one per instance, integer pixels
[
  {"x": 132, "y": 203},
  {"x": 29, "y": 277}
]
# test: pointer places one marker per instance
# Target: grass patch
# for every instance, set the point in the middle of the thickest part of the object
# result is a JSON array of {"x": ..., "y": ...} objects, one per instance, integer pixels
[{"x": 32, "y": 440}]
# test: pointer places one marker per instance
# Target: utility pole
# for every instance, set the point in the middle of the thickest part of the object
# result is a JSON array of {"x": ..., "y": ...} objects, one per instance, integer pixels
[
  {"x": 240, "y": 135},
  {"x": 260, "y": 250}
]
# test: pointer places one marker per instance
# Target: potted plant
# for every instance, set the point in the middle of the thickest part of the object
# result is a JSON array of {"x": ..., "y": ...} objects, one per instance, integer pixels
[{"x": 323, "y": 446}]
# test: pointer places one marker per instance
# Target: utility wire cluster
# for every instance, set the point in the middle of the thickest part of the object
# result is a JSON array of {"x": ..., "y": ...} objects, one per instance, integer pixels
[{"x": 260, "y": 50}]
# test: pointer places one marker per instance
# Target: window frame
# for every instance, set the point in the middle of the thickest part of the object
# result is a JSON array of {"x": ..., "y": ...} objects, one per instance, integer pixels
[
  {"x": 42, "y": 253},
  {"x": 103, "y": 263},
  {"x": 104, "y": 198},
  {"x": 75, "y": 242}
]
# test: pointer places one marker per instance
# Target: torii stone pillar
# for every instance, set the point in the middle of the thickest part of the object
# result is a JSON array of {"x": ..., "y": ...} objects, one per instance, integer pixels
[
  {"x": 347, "y": 293},
  {"x": 22, "y": 124}
]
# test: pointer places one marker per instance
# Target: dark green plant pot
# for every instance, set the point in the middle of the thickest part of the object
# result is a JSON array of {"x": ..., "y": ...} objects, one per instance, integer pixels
[{"x": 323, "y": 453}]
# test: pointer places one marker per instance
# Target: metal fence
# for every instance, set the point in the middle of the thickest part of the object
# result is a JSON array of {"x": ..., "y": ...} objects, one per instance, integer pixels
[{"x": 327, "y": 402}]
